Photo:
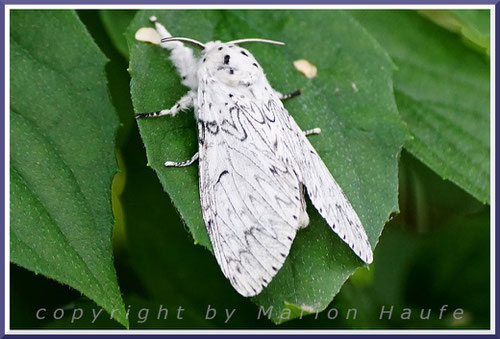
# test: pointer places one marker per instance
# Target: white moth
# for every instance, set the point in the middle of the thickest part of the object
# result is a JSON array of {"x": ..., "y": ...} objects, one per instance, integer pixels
[{"x": 255, "y": 163}]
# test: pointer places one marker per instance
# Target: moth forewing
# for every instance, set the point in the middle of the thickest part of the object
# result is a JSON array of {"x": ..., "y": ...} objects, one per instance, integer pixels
[
  {"x": 251, "y": 200},
  {"x": 254, "y": 162}
]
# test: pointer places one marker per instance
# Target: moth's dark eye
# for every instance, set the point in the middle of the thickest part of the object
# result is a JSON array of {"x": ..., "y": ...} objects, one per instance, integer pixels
[
  {"x": 220, "y": 48},
  {"x": 226, "y": 59}
]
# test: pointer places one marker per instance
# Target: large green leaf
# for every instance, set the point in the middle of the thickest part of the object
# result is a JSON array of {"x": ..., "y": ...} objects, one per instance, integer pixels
[
  {"x": 351, "y": 99},
  {"x": 62, "y": 128},
  {"x": 443, "y": 93}
]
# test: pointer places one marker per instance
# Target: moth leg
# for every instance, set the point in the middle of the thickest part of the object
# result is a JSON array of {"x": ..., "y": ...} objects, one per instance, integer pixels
[
  {"x": 185, "y": 102},
  {"x": 182, "y": 163},
  {"x": 181, "y": 56},
  {"x": 282, "y": 96},
  {"x": 313, "y": 131}
]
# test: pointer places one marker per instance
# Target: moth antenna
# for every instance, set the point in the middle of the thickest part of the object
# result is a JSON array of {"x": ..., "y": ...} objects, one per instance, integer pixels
[
  {"x": 191, "y": 41},
  {"x": 266, "y": 41}
]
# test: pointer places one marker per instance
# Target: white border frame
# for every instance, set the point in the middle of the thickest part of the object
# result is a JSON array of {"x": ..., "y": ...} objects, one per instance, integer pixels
[{"x": 8, "y": 331}]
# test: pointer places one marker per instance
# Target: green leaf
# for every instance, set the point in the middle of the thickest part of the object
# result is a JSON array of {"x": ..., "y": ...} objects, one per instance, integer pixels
[
  {"x": 62, "y": 128},
  {"x": 115, "y": 22},
  {"x": 477, "y": 21},
  {"x": 351, "y": 100},
  {"x": 443, "y": 93},
  {"x": 473, "y": 25}
]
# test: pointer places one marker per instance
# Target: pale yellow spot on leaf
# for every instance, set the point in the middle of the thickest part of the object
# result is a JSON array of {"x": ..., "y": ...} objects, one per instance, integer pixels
[
  {"x": 306, "y": 68},
  {"x": 148, "y": 34}
]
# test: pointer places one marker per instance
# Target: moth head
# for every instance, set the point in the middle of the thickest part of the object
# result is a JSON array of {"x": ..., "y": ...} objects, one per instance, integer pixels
[
  {"x": 230, "y": 64},
  {"x": 227, "y": 62}
]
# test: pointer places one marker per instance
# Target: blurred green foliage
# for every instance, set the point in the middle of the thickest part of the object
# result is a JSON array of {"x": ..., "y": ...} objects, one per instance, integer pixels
[
  {"x": 442, "y": 92},
  {"x": 434, "y": 253},
  {"x": 472, "y": 25}
]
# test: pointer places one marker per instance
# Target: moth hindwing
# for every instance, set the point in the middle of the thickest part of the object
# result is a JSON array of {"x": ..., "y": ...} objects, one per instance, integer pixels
[{"x": 255, "y": 164}]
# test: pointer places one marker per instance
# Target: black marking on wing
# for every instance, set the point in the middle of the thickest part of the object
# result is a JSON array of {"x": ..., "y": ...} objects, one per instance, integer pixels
[
  {"x": 201, "y": 132},
  {"x": 232, "y": 125},
  {"x": 212, "y": 127},
  {"x": 221, "y": 175}
]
